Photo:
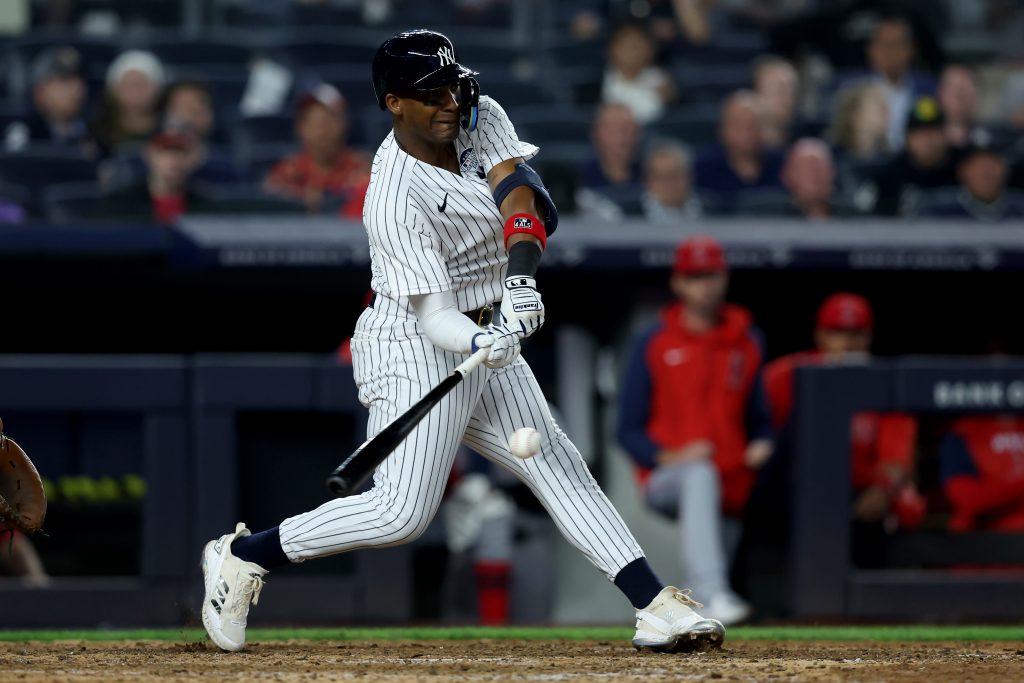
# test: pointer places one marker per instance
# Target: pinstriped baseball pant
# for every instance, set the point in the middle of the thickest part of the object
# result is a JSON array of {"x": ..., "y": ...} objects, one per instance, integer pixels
[{"x": 395, "y": 364}]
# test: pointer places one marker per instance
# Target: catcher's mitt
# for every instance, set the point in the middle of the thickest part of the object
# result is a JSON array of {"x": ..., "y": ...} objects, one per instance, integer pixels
[{"x": 22, "y": 500}]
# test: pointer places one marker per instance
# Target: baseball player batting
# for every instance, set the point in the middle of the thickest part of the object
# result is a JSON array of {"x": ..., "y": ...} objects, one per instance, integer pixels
[{"x": 457, "y": 224}]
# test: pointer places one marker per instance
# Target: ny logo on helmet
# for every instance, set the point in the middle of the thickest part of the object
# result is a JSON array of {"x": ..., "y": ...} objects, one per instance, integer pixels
[{"x": 446, "y": 55}]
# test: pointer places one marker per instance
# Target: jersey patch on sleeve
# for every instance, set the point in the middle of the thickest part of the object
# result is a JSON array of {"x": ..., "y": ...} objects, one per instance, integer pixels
[{"x": 470, "y": 162}]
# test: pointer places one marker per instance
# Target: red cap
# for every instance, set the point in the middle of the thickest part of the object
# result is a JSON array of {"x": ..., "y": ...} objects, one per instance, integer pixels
[
  {"x": 845, "y": 311},
  {"x": 325, "y": 95},
  {"x": 699, "y": 254}
]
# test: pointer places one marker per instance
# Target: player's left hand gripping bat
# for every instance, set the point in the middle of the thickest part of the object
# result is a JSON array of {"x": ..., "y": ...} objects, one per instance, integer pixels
[{"x": 356, "y": 468}]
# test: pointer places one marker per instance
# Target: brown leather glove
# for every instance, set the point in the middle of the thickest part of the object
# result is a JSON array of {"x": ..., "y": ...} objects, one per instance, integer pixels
[{"x": 22, "y": 499}]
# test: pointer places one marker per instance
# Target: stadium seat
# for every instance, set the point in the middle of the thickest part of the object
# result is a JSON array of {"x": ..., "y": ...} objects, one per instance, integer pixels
[
  {"x": 39, "y": 167},
  {"x": 306, "y": 51},
  {"x": 16, "y": 194},
  {"x": 480, "y": 49},
  {"x": 249, "y": 199},
  {"x": 543, "y": 124},
  {"x": 249, "y": 132},
  {"x": 736, "y": 47},
  {"x": 376, "y": 125},
  {"x": 70, "y": 202},
  {"x": 573, "y": 54},
  {"x": 179, "y": 50},
  {"x": 511, "y": 93},
  {"x": 709, "y": 83},
  {"x": 94, "y": 52},
  {"x": 687, "y": 123}
]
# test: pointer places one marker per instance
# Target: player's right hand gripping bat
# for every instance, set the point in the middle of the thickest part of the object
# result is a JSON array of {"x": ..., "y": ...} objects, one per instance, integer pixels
[{"x": 356, "y": 468}]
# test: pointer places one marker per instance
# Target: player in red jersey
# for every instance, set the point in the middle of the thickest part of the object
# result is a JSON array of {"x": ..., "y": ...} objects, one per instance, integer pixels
[
  {"x": 982, "y": 465},
  {"x": 883, "y": 444}
]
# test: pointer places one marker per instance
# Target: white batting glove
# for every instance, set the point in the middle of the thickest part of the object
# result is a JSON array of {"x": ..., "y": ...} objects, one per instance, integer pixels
[
  {"x": 521, "y": 306},
  {"x": 503, "y": 342}
]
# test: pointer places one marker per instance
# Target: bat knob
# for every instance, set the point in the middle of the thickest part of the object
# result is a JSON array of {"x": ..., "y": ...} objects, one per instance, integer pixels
[{"x": 339, "y": 485}]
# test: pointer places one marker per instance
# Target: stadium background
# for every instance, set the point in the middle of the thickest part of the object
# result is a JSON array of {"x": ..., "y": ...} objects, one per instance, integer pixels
[{"x": 143, "y": 362}]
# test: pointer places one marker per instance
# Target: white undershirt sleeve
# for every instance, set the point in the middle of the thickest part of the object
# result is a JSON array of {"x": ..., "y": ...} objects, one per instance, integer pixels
[{"x": 443, "y": 323}]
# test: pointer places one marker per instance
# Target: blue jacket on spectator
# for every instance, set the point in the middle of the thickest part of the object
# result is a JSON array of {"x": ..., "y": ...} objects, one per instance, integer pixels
[{"x": 714, "y": 174}]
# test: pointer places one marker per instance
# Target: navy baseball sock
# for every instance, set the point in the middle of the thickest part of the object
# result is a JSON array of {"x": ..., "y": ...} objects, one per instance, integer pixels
[
  {"x": 263, "y": 548},
  {"x": 639, "y": 582}
]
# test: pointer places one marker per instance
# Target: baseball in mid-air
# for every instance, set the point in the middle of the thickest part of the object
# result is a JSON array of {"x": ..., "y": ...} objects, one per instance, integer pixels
[{"x": 525, "y": 442}]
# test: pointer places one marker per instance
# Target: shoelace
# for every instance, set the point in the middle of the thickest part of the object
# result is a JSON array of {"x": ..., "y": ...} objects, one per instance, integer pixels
[
  {"x": 250, "y": 591},
  {"x": 683, "y": 596}
]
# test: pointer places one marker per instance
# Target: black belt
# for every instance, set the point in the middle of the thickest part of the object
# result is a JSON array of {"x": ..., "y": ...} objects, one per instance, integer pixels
[{"x": 481, "y": 316}]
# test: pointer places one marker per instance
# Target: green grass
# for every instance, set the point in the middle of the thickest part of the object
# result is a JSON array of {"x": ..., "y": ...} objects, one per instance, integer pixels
[{"x": 845, "y": 633}]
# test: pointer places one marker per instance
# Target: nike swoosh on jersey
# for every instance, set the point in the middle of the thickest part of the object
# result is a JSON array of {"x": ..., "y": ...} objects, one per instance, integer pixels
[{"x": 443, "y": 205}]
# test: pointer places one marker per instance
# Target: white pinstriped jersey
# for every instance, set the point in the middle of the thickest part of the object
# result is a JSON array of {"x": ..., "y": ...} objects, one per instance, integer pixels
[{"x": 431, "y": 230}]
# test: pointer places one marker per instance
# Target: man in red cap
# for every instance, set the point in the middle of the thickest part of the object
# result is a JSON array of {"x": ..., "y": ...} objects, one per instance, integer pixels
[
  {"x": 694, "y": 418},
  {"x": 883, "y": 443},
  {"x": 167, "y": 192},
  {"x": 326, "y": 171}
]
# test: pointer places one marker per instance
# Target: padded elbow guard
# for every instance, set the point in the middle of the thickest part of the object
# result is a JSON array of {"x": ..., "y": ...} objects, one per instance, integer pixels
[{"x": 524, "y": 176}]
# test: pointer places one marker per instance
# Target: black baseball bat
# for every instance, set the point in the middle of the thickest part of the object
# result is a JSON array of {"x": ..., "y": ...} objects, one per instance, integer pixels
[{"x": 356, "y": 468}]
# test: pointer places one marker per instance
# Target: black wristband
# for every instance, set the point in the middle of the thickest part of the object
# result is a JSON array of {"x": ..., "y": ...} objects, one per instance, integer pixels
[{"x": 524, "y": 258}]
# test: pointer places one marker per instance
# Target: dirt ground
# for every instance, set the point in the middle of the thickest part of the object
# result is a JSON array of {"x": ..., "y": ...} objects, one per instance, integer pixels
[{"x": 510, "y": 661}]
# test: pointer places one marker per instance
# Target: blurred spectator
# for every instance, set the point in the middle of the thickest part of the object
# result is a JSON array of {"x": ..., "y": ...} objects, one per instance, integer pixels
[
  {"x": 958, "y": 96},
  {"x": 982, "y": 466},
  {"x": 883, "y": 444},
  {"x": 890, "y": 54},
  {"x": 632, "y": 78},
  {"x": 926, "y": 163},
  {"x": 777, "y": 83},
  {"x": 611, "y": 183},
  {"x": 694, "y": 19},
  {"x": 58, "y": 98},
  {"x": 325, "y": 171},
  {"x": 167, "y": 192},
  {"x": 188, "y": 106},
  {"x": 668, "y": 185},
  {"x": 694, "y": 418},
  {"x": 128, "y": 114},
  {"x": 809, "y": 175},
  {"x": 840, "y": 30},
  {"x": 861, "y": 122},
  {"x": 739, "y": 161},
  {"x": 982, "y": 195}
]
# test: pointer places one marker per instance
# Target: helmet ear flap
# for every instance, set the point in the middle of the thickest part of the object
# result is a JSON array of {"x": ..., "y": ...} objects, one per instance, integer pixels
[{"x": 469, "y": 103}]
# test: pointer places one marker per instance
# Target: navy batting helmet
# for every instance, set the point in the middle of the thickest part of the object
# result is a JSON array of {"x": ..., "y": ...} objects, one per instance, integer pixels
[{"x": 424, "y": 60}]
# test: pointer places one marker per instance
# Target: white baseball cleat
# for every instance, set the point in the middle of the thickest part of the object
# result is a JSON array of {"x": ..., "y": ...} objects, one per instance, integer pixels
[
  {"x": 669, "y": 624},
  {"x": 231, "y": 585}
]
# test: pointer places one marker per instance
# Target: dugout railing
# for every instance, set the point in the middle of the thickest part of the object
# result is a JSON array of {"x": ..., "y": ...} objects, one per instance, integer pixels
[
  {"x": 250, "y": 436},
  {"x": 822, "y": 579}
]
